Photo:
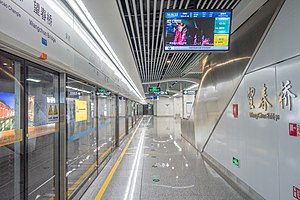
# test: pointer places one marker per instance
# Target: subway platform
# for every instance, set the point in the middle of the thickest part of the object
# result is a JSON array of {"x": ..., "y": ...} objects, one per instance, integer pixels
[{"x": 155, "y": 162}]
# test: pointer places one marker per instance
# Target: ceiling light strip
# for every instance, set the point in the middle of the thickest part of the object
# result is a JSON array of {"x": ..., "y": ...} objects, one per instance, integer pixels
[
  {"x": 181, "y": 3},
  {"x": 235, "y": 4},
  {"x": 158, "y": 35},
  {"x": 152, "y": 43},
  {"x": 208, "y": 6},
  {"x": 219, "y": 5},
  {"x": 174, "y": 70},
  {"x": 136, "y": 58},
  {"x": 176, "y": 67},
  {"x": 187, "y": 4},
  {"x": 135, "y": 43},
  {"x": 174, "y": 5},
  {"x": 165, "y": 69},
  {"x": 162, "y": 64},
  {"x": 202, "y": 7},
  {"x": 199, "y": 3},
  {"x": 138, "y": 35},
  {"x": 143, "y": 38},
  {"x": 224, "y": 4},
  {"x": 97, "y": 40},
  {"x": 174, "y": 60},
  {"x": 213, "y": 6},
  {"x": 159, "y": 55},
  {"x": 161, "y": 43},
  {"x": 148, "y": 38},
  {"x": 229, "y": 5}
]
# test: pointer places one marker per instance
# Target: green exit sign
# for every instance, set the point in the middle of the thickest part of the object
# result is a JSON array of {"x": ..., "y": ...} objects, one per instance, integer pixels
[
  {"x": 154, "y": 89},
  {"x": 102, "y": 90},
  {"x": 236, "y": 162}
]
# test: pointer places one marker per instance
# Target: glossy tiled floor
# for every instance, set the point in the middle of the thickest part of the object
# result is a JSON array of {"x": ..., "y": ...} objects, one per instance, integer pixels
[{"x": 160, "y": 165}]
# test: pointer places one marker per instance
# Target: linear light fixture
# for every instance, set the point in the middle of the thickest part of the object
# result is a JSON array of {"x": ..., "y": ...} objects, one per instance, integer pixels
[
  {"x": 33, "y": 80},
  {"x": 84, "y": 15}
]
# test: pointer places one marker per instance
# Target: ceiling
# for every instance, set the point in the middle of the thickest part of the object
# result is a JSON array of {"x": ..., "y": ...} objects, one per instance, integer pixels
[{"x": 143, "y": 20}]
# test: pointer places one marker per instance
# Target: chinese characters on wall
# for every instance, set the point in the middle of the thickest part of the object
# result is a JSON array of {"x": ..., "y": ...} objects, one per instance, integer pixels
[
  {"x": 285, "y": 97},
  {"x": 42, "y": 12}
]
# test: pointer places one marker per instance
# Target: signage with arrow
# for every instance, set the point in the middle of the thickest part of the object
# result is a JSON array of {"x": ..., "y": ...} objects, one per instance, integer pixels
[{"x": 189, "y": 92}]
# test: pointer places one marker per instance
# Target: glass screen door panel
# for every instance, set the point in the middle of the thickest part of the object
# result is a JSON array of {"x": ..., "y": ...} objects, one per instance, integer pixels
[
  {"x": 81, "y": 135},
  {"x": 43, "y": 125},
  {"x": 11, "y": 96}
]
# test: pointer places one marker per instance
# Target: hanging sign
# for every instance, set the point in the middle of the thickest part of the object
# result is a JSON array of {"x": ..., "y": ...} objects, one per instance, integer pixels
[{"x": 189, "y": 92}]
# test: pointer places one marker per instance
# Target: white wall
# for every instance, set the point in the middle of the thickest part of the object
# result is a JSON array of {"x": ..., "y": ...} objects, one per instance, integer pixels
[
  {"x": 188, "y": 102},
  {"x": 177, "y": 106},
  {"x": 165, "y": 107},
  {"x": 269, "y": 156}
]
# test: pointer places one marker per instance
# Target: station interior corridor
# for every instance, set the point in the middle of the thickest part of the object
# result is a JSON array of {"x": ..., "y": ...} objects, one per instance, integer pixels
[{"x": 159, "y": 164}]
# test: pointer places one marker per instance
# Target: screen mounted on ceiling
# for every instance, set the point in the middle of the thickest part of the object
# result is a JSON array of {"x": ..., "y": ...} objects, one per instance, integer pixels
[{"x": 197, "y": 30}]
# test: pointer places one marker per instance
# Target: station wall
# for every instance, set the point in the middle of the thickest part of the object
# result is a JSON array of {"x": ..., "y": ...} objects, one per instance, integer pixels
[{"x": 265, "y": 136}]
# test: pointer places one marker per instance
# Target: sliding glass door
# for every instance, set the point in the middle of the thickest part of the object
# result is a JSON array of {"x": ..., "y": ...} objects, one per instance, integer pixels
[
  {"x": 42, "y": 89},
  {"x": 11, "y": 127}
]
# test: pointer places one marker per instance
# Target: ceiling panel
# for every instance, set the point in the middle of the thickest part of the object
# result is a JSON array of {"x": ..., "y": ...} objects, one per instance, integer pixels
[{"x": 143, "y": 22}]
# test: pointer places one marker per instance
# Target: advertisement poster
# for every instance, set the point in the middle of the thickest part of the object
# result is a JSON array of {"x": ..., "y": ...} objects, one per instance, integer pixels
[
  {"x": 7, "y": 104},
  {"x": 81, "y": 110}
]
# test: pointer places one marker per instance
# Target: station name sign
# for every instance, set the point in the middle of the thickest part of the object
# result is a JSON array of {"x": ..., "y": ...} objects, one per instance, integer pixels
[{"x": 285, "y": 99}]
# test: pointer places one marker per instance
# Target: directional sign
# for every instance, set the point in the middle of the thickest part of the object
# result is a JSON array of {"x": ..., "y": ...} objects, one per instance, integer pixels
[
  {"x": 163, "y": 93},
  {"x": 189, "y": 92},
  {"x": 103, "y": 92},
  {"x": 154, "y": 89}
]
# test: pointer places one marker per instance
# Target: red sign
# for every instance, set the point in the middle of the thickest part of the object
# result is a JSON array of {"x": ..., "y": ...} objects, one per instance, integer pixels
[
  {"x": 294, "y": 129},
  {"x": 235, "y": 110},
  {"x": 296, "y": 193}
]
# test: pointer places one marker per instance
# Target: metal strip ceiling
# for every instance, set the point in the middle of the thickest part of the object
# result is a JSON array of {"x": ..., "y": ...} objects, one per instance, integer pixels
[{"x": 143, "y": 22}]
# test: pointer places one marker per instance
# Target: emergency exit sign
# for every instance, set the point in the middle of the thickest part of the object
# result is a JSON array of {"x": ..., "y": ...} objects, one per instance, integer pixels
[
  {"x": 236, "y": 162},
  {"x": 154, "y": 89},
  {"x": 102, "y": 90}
]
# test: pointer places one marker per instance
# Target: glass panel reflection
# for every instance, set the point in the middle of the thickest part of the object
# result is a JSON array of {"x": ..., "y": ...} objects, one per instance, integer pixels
[
  {"x": 81, "y": 133},
  {"x": 10, "y": 128},
  {"x": 43, "y": 119}
]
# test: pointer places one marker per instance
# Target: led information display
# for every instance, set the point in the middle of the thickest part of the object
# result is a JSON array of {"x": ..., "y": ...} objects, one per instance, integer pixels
[{"x": 197, "y": 30}]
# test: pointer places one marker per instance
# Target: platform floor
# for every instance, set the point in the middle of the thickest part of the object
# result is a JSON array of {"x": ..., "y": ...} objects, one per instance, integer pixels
[{"x": 159, "y": 164}]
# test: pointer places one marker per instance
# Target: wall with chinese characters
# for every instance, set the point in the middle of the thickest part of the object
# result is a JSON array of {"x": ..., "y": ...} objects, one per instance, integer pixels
[{"x": 265, "y": 136}]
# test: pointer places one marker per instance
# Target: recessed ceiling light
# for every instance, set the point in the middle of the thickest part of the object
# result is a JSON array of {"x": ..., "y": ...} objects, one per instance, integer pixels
[{"x": 168, "y": 61}]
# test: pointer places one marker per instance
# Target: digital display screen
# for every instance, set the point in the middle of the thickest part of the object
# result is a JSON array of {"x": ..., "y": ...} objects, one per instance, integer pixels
[{"x": 197, "y": 30}]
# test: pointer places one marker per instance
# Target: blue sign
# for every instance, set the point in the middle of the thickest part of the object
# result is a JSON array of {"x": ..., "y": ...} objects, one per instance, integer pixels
[{"x": 44, "y": 42}]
